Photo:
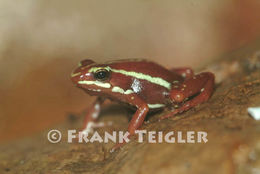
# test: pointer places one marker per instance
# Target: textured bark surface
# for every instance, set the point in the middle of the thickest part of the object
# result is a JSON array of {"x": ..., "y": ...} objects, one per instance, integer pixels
[{"x": 233, "y": 136}]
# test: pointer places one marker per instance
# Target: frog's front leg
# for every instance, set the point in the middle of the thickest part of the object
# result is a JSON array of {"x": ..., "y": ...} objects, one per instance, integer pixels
[
  {"x": 92, "y": 115},
  {"x": 201, "y": 84},
  {"x": 138, "y": 118}
]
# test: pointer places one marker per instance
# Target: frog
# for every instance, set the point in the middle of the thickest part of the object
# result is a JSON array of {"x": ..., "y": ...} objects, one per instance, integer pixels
[{"x": 143, "y": 84}]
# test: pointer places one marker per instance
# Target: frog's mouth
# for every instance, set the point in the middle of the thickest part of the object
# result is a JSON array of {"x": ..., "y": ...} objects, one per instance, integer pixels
[
  {"x": 93, "y": 91},
  {"x": 90, "y": 86}
]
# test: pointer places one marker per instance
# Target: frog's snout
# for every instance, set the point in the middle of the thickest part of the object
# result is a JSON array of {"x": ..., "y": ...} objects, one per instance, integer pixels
[
  {"x": 75, "y": 76},
  {"x": 80, "y": 75}
]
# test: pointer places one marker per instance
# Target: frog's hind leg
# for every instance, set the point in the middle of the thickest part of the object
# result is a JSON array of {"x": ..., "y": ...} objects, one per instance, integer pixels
[
  {"x": 185, "y": 72},
  {"x": 201, "y": 85}
]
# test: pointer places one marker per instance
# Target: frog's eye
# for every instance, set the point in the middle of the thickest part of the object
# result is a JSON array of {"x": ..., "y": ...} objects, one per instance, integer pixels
[{"x": 101, "y": 74}]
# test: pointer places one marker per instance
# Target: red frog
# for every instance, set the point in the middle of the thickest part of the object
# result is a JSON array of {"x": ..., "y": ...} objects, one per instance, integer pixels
[{"x": 143, "y": 84}]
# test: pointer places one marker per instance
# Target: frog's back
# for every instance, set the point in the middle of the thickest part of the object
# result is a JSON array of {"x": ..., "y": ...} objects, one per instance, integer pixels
[
  {"x": 147, "y": 79},
  {"x": 145, "y": 67}
]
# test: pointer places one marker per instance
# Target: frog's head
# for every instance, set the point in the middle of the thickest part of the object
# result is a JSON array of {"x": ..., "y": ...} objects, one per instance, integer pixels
[{"x": 91, "y": 76}]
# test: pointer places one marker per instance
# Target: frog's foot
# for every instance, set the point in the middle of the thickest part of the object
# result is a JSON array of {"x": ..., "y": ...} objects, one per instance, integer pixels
[
  {"x": 102, "y": 124},
  {"x": 84, "y": 132},
  {"x": 121, "y": 144},
  {"x": 117, "y": 146},
  {"x": 89, "y": 129},
  {"x": 172, "y": 113}
]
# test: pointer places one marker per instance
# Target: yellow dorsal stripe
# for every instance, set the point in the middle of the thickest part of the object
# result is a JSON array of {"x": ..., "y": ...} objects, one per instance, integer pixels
[{"x": 155, "y": 80}]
